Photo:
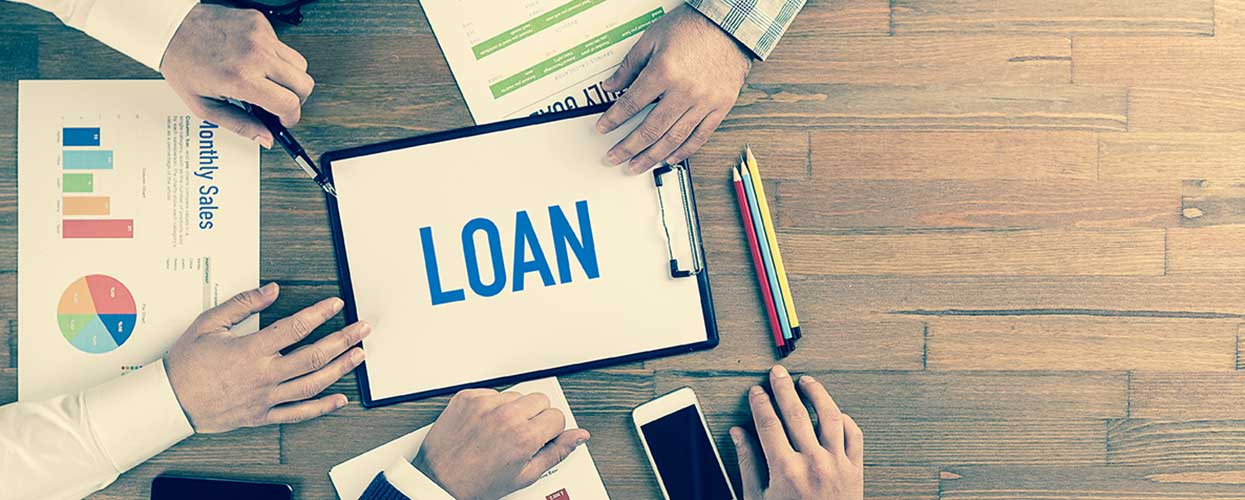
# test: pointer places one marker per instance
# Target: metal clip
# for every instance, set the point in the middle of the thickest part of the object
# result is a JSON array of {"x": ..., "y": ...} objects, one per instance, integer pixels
[{"x": 683, "y": 178}]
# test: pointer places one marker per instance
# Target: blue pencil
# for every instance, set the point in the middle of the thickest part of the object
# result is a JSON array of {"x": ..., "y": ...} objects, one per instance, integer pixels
[{"x": 765, "y": 254}]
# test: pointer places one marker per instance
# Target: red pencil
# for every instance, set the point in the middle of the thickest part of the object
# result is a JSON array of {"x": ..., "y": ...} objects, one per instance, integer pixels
[{"x": 755, "y": 246}]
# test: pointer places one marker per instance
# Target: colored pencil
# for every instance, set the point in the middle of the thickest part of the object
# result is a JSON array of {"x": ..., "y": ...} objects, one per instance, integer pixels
[
  {"x": 783, "y": 284},
  {"x": 755, "y": 247},
  {"x": 759, "y": 226}
]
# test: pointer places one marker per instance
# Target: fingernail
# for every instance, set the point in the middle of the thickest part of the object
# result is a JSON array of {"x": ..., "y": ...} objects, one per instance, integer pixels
[
  {"x": 269, "y": 289},
  {"x": 365, "y": 329},
  {"x": 614, "y": 158},
  {"x": 737, "y": 435},
  {"x": 356, "y": 356},
  {"x": 637, "y": 166},
  {"x": 338, "y": 304},
  {"x": 780, "y": 372},
  {"x": 341, "y": 401},
  {"x": 600, "y": 127},
  {"x": 808, "y": 380},
  {"x": 756, "y": 390}
]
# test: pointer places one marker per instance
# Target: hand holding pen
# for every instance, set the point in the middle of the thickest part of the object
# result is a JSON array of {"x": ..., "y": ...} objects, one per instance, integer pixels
[{"x": 282, "y": 136}]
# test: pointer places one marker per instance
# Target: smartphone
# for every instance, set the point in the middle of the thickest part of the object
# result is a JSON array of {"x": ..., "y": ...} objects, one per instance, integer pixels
[
  {"x": 171, "y": 487},
  {"x": 680, "y": 448}
]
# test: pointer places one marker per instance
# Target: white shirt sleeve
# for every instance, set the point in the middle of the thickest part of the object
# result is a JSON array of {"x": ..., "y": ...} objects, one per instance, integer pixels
[
  {"x": 408, "y": 480},
  {"x": 69, "y": 446},
  {"x": 141, "y": 29}
]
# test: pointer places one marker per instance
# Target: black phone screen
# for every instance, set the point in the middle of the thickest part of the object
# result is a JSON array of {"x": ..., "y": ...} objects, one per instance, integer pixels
[
  {"x": 684, "y": 456},
  {"x": 190, "y": 488}
]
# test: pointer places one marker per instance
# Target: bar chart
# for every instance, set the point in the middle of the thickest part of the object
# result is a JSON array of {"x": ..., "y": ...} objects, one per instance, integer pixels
[{"x": 86, "y": 213}]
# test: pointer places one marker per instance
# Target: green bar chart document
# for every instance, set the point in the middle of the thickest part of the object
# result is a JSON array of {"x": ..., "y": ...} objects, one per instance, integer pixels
[{"x": 528, "y": 57}]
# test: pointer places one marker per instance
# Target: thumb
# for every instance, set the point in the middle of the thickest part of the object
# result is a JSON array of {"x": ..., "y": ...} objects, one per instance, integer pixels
[
  {"x": 750, "y": 473},
  {"x": 553, "y": 454},
  {"x": 631, "y": 65},
  {"x": 236, "y": 120}
]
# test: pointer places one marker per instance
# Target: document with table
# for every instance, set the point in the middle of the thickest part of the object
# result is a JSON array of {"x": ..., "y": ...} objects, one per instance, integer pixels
[
  {"x": 576, "y": 477},
  {"x": 134, "y": 217},
  {"x": 515, "y": 59},
  {"x": 509, "y": 251}
]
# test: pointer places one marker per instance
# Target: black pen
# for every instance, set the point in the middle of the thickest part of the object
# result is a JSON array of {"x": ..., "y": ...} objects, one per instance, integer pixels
[{"x": 282, "y": 136}]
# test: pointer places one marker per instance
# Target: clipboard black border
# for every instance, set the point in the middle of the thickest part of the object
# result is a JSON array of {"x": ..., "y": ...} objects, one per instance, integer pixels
[{"x": 347, "y": 288}]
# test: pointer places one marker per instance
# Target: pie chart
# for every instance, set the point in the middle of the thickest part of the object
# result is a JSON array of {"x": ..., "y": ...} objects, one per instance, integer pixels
[{"x": 96, "y": 314}]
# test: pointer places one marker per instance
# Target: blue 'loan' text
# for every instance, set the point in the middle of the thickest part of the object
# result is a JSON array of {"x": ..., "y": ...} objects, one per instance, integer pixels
[{"x": 528, "y": 255}]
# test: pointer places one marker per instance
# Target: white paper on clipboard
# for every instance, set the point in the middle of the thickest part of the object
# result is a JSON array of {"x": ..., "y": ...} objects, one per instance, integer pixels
[{"x": 393, "y": 204}]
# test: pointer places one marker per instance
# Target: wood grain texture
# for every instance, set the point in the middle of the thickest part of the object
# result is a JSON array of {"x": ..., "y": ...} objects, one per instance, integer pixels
[
  {"x": 930, "y": 395},
  {"x": 1027, "y": 343},
  {"x": 1211, "y": 203},
  {"x": 985, "y": 253},
  {"x": 976, "y": 441},
  {"x": 822, "y": 19},
  {"x": 1216, "y": 250},
  {"x": 959, "y": 107},
  {"x": 1027, "y": 482},
  {"x": 878, "y": 342},
  {"x": 1155, "y": 60},
  {"x": 1177, "y": 446},
  {"x": 832, "y": 203},
  {"x": 929, "y": 297},
  {"x": 1170, "y": 395},
  {"x": 1171, "y": 156},
  {"x": 910, "y": 60},
  {"x": 1168, "y": 17},
  {"x": 1191, "y": 107},
  {"x": 954, "y": 155}
]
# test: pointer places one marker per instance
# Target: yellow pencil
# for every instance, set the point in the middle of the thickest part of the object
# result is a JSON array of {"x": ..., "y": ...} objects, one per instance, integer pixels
[{"x": 773, "y": 242}]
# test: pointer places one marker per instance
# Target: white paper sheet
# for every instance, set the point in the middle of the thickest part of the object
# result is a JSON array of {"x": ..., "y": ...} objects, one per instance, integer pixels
[
  {"x": 513, "y": 59},
  {"x": 117, "y": 160},
  {"x": 385, "y": 199},
  {"x": 576, "y": 477}
]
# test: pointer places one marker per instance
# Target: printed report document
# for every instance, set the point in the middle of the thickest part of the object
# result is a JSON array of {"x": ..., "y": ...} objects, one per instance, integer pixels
[
  {"x": 515, "y": 59},
  {"x": 576, "y": 477},
  {"x": 133, "y": 217}
]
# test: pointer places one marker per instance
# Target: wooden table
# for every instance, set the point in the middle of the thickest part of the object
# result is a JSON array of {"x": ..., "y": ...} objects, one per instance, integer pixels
[{"x": 1014, "y": 229}]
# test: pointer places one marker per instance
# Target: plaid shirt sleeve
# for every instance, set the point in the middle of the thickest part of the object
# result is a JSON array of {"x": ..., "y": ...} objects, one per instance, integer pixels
[{"x": 758, "y": 24}]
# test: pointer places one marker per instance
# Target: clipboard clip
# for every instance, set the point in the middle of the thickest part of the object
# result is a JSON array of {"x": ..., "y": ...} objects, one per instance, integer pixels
[{"x": 683, "y": 182}]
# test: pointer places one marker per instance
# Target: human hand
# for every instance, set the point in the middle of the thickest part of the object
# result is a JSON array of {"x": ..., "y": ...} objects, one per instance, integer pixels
[
  {"x": 224, "y": 380},
  {"x": 826, "y": 464},
  {"x": 693, "y": 69},
  {"x": 221, "y": 52},
  {"x": 486, "y": 444}
]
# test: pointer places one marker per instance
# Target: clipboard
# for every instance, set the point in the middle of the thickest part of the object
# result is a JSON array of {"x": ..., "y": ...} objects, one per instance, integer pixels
[{"x": 683, "y": 262}]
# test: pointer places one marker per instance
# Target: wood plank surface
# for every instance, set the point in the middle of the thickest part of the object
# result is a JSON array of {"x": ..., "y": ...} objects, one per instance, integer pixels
[
  {"x": 1178, "y": 446},
  {"x": 1191, "y": 107},
  {"x": 1079, "y": 343},
  {"x": 1155, "y": 60},
  {"x": 833, "y": 203},
  {"x": 1114, "y": 17},
  {"x": 950, "y": 107},
  {"x": 1013, "y": 231},
  {"x": 920, "y": 59},
  {"x": 954, "y": 155},
  {"x": 980, "y": 253},
  {"x": 1174, "y": 395}
]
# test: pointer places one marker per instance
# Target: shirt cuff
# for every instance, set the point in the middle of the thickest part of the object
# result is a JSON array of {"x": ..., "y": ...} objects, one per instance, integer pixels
[
  {"x": 414, "y": 484},
  {"x": 141, "y": 30},
  {"x": 136, "y": 416},
  {"x": 757, "y": 25}
]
